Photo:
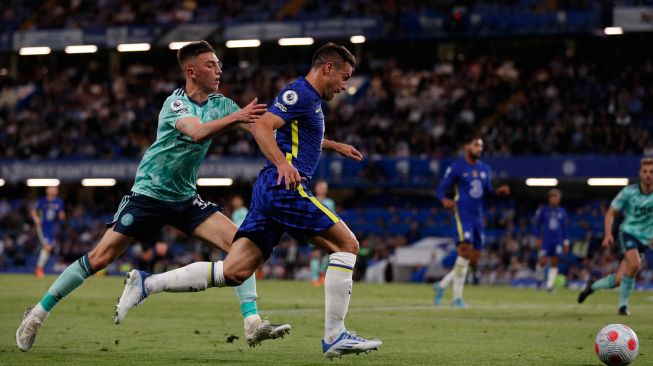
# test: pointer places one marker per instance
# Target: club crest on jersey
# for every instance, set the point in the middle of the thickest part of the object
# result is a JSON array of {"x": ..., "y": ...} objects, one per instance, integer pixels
[
  {"x": 177, "y": 105},
  {"x": 483, "y": 175},
  {"x": 289, "y": 97}
]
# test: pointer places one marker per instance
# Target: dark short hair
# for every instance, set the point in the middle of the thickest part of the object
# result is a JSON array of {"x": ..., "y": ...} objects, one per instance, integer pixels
[
  {"x": 193, "y": 49},
  {"x": 646, "y": 160},
  {"x": 555, "y": 191},
  {"x": 334, "y": 53},
  {"x": 471, "y": 137}
]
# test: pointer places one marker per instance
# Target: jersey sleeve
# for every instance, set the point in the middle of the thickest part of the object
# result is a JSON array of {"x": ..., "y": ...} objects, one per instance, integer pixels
[
  {"x": 488, "y": 182},
  {"x": 230, "y": 107},
  {"x": 290, "y": 104},
  {"x": 537, "y": 222},
  {"x": 60, "y": 207},
  {"x": 173, "y": 110},
  {"x": 564, "y": 224},
  {"x": 447, "y": 181},
  {"x": 619, "y": 203}
]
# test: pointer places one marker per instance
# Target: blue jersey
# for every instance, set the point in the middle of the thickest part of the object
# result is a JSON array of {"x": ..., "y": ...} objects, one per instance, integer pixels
[
  {"x": 551, "y": 225},
  {"x": 48, "y": 212},
  {"x": 470, "y": 182},
  {"x": 300, "y": 138}
]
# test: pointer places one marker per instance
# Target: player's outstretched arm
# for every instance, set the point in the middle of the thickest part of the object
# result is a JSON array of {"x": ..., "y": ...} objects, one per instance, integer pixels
[
  {"x": 608, "y": 240},
  {"x": 263, "y": 132},
  {"x": 200, "y": 132},
  {"x": 345, "y": 150},
  {"x": 35, "y": 217}
]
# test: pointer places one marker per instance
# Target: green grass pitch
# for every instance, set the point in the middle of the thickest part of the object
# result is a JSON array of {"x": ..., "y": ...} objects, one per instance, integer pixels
[{"x": 503, "y": 326}]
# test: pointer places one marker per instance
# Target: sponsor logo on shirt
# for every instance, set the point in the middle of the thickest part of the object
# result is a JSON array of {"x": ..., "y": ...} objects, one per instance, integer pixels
[{"x": 280, "y": 106}]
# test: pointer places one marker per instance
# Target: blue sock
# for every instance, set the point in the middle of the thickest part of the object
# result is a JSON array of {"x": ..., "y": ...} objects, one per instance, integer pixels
[
  {"x": 246, "y": 294},
  {"x": 627, "y": 285},
  {"x": 70, "y": 279}
]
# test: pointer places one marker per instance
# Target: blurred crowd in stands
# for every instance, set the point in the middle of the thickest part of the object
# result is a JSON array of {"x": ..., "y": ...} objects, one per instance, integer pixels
[
  {"x": 511, "y": 253},
  {"x": 570, "y": 96},
  {"x": 73, "y": 14},
  {"x": 562, "y": 104}
]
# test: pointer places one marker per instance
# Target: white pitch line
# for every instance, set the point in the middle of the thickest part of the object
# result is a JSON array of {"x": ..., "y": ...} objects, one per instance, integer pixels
[{"x": 484, "y": 307}]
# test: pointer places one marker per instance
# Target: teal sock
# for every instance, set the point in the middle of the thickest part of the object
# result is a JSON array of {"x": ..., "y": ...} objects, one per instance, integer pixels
[
  {"x": 605, "y": 282},
  {"x": 67, "y": 281},
  {"x": 627, "y": 285},
  {"x": 246, "y": 294},
  {"x": 315, "y": 269}
]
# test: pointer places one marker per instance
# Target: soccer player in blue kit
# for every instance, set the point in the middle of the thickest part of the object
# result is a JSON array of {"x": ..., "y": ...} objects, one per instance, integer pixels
[
  {"x": 47, "y": 214},
  {"x": 291, "y": 135},
  {"x": 551, "y": 229},
  {"x": 470, "y": 180},
  {"x": 164, "y": 193}
]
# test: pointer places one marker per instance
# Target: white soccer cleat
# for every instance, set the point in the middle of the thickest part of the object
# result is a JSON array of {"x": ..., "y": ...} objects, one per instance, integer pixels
[
  {"x": 349, "y": 343},
  {"x": 28, "y": 329},
  {"x": 260, "y": 330},
  {"x": 133, "y": 294}
]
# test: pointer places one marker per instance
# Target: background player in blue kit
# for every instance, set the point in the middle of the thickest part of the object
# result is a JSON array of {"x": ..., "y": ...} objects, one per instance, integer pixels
[
  {"x": 282, "y": 203},
  {"x": 470, "y": 179},
  {"x": 551, "y": 230},
  {"x": 47, "y": 214}
]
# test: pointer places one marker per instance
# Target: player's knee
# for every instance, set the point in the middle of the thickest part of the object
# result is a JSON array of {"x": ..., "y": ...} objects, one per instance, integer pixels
[
  {"x": 465, "y": 251},
  {"x": 236, "y": 277},
  {"x": 631, "y": 270},
  {"x": 350, "y": 245},
  {"x": 99, "y": 261}
]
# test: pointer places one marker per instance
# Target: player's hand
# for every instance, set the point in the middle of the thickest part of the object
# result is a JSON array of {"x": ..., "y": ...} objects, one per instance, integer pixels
[
  {"x": 251, "y": 112},
  {"x": 448, "y": 203},
  {"x": 349, "y": 152},
  {"x": 538, "y": 243},
  {"x": 503, "y": 190},
  {"x": 37, "y": 220},
  {"x": 608, "y": 241},
  {"x": 289, "y": 175}
]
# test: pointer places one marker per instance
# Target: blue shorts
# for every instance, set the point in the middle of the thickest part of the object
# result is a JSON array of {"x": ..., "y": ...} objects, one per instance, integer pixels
[
  {"x": 141, "y": 217},
  {"x": 48, "y": 234},
  {"x": 551, "y": 248},
  {"x": 275, "y": 211},
  {"x": 468, "y": 230},
  {"x": 628, "y": 242}
]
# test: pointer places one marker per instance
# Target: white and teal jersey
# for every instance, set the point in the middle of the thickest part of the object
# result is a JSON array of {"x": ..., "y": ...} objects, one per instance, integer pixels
[
  {"x": 330, "y": 204},
  {"x": 238, "y": 216},
  {"x": 637, "y": 209},
  {"x": 169, "y": 168}
]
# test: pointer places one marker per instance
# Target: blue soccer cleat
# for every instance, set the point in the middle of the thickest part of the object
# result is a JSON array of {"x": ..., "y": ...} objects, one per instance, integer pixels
[
  {"x": 349, "y": 343},
  {"x": 439, "y": 293},
  {"x": 459, "y": 303},
  {"x": 133, "y": 294}
]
